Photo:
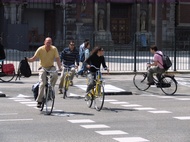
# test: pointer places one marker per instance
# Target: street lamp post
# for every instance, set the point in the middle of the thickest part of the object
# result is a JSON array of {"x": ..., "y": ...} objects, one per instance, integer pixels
[{"x": 158, "y": 24}]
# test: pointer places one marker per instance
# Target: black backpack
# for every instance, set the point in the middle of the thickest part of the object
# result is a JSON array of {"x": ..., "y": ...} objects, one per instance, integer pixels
[
  {"x": 166, "y": 61},
  {"x": 24, "y": 69}
]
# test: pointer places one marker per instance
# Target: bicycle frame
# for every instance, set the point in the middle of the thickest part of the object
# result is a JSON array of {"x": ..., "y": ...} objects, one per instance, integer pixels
[{"x": 67, "y": 80}]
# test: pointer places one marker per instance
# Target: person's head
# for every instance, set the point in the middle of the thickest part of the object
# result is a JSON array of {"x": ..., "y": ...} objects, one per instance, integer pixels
[
  {"x": 48, "y": 42},
  {"x": 87, "y": 44},
  {"x": 98, "y": 50},
  {"x": 153, "y": 48},
  {"x": 86, "y": 40},
  {"x": 71, "y": 45}
]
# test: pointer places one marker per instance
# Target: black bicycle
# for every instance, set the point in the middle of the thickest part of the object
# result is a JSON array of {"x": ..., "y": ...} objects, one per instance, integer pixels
[
  {"x": 167, "y": 83},
  {"x": 49, "y": 96}
]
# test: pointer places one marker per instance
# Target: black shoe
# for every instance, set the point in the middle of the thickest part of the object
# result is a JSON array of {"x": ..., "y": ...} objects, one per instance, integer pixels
[
  {"x": 150, "y": 83},
  {"x": 39, "y": 104}
]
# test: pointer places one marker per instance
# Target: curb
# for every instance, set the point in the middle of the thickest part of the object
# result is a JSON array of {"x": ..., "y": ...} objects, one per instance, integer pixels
[
  {"x": 119, "y": 93},
  {"x": 2, "y": 95}
]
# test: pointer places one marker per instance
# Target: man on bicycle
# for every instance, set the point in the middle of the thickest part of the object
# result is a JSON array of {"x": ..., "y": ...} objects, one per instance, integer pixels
[
  {"x": 69, "y": 56},
  {"x": 157, "y": 65},
  {"x": 97, "y": 59},
  {"x": 47, "y": 54}
]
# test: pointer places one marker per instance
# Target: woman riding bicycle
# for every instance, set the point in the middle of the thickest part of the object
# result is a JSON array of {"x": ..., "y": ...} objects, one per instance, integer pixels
[{"x": 96, "y": 58}]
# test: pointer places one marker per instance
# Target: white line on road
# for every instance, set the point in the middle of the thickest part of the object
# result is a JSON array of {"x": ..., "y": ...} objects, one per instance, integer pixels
[
  {"x": 144, "y": 108},
  {"x": 160, "y": 111},
  {"x": 183, "y": 118},
  {"x": 107, "y": 88},
  {"x": 8, "y": 120},
  {"x": 81, "y": 121},
  {"x": 111, "y": 132},
  {"x": 131, "y": 139},
  {"x": 131, "y": 105},
  {"x": 119, "y": 103},
  {"x": 95, "y": 126}
]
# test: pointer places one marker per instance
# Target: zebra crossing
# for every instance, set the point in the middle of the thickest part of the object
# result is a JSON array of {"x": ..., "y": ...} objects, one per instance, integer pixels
[
  {"x": 91, "y": 124},
  {"x": 107, "y": 130}
]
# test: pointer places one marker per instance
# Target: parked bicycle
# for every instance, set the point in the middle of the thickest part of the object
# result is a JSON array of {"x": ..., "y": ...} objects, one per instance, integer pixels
[
  {"x": 96, "y": 95},
  {"x": 67, "y": 79},
  {"x": 167, "y": 83},
  {"x": 6, "y": 76},
  {"x": 49, "y": 96}
]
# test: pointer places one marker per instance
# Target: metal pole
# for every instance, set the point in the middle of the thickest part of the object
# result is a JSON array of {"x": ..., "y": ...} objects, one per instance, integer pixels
[
  {"x": 64, "y": 23},
  {"x": 158, "y": 24}
]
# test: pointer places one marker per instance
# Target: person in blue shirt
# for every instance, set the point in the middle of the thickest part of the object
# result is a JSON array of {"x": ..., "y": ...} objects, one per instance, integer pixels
[
  {"x": 86, "y": 55},
  {"x": 69, "y": 57},
  {"x": 82, "y": 48}
]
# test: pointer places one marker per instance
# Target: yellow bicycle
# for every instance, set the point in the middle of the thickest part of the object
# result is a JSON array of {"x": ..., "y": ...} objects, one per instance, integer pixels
[
  {"x": 96, "y": 95},
  {"x": 67, "y": 80}
]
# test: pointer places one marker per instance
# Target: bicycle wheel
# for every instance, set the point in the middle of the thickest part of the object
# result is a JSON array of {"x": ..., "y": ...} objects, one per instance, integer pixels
[
  {"x": 168, "y": 85},
  {"x": 140, "y": 81},
  {"x": 99, "y": 97},
  {"x": 90, "y": 100},
  {"x": 7, "y": 77},
  {"x": 66, "y": 86},
  {"x": 50, "y": 97}
]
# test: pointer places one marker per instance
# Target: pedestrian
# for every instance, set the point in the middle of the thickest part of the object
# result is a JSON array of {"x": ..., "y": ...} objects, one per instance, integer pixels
[
  {"x": 156, "y": 66},
  {"x": 97, "y": 59},
  {"x": 69, "y": 57},
  {"x": 81, "y": 48},
  {"x": 86, "y": 55},
  {"x": 46, "y": 53}
]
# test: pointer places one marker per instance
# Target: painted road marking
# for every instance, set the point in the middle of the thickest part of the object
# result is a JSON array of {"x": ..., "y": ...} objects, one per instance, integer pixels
[
  {"x": 131, "y": 105},
  {"x": 119, "y": 103},
  {"x": 182, "y": 99},
  {"x": 81, "y": 121},
  {"x": 131, "y": 139},
  {"x": 183, "y": 118},
  {"x": 8, "y": 120},
  {"x": 94, "y": 126},
  {"x": 160, "y": 111},
  {"x": 107, "y": 88},
  {"x": 111, "y": 132},
  {"x": 144, "y": 108}
]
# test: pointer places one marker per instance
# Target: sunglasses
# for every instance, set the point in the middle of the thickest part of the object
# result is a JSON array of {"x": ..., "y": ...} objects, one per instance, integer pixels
[{"x": 72, "y": 44}]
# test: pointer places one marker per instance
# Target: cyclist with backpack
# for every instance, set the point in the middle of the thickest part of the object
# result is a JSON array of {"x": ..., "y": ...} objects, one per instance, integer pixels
[
  {"x": 156, "y": 66},
  {"x": 47, "y": 54}
]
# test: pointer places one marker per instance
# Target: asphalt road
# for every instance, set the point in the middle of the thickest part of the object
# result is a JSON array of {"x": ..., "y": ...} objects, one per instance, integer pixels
[{"x": 134, "y": 116}]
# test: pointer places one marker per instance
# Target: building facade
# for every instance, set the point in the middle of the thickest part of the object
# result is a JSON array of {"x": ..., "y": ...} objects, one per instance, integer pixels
[{"x": 110, "y": 23}]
